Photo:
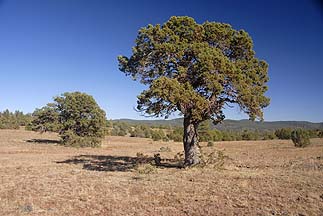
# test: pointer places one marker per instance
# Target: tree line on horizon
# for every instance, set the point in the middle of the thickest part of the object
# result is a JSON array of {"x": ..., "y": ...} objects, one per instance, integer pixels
[{"x": 46, "y": 119}]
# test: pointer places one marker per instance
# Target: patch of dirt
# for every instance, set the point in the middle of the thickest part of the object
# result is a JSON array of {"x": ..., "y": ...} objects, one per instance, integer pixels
[{"x": 39, "y": 177}]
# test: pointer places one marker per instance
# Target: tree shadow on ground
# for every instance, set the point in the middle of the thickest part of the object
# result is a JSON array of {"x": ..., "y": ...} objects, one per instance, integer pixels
[
  {"x": 117, "y": 163},
  {"x": 43, "y": 141}
]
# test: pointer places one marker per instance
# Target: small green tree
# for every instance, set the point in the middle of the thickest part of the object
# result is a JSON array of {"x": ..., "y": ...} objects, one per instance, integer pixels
[
  {"x": 82, "y": 120},
  {"x": 300, "y": 138},
  {"x": 196, "y": 69},
  {"x": 77, "y": 117}
]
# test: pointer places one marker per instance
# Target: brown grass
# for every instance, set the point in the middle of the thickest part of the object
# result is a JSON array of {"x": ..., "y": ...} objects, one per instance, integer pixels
[{"x": 39, "y": 177}]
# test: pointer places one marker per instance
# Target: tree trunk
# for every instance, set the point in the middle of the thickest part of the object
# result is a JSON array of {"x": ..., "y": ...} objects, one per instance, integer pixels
[{"x": 190, "y": 141}]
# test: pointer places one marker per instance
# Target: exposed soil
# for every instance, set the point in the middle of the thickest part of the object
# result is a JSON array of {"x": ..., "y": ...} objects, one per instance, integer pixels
[{"x": 39, "y": 177}]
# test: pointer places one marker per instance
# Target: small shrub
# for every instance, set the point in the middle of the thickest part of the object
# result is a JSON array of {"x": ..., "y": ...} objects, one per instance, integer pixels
[
  {"x": 165, "y": 149},
  {"x": 214, "y": 159},
  {"x": 145, "y": 169},
  {"x": 27, "y": 208},
  {"x": 300, "y": 138},
  {"x": 210, "y": 143},
  {"x": 140, "y": 155}
]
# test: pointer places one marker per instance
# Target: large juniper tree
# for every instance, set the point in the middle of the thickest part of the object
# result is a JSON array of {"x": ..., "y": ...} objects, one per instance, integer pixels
[{"x": 196, "y": 69}]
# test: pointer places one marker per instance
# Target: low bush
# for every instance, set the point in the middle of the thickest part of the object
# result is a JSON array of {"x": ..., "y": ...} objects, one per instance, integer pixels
[
  {"x": 165, "y": 149},
  {"x": 300, "y": 138},
  {"x": 214, "y": 159},
  {"x": 145, "y": 169}
]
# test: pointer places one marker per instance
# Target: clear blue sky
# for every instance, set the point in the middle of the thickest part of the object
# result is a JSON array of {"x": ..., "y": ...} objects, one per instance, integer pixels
[{"x": 48, "y": 47}]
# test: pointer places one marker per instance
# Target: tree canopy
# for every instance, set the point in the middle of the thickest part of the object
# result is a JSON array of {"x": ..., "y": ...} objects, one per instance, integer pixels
[{"x": 196, "y": 69}]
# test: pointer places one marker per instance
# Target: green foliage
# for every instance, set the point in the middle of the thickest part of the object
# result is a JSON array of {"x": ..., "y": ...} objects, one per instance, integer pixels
[
  {"x": 77, "y": 117},
  {"x": 46, "y": 119},
  {"x": 142, "y": 131},
  {"x": 229, "y": 125},
  {"x": 300, "y": 138},
  {"x": 229, "y": 136},
  {"x": 283, "y": 133},
  {"x": 312, "y": 133},
  {"x": 12, "y": 120},
  {"x": 120, "y": 129},
  {"x": 250, "y": 135},
  {"x": 207, "y": 134},
  {"x": 216, "y": 135},
  {"x": 196, "y": 69},
  {"x": 204, "y": 131},
  {"x": 176, "y": 134},
  {"x": 82, "y": 120},
  {"x": 8, "y": 121},
  {"x": 158, "y": 135},
  {"x": 71, "y": 139},
  {"x": 137, "y": 132}
]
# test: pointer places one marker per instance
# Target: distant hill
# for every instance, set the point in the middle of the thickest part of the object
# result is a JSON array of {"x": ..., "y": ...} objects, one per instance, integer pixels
[{"x": 233, "y": 125}]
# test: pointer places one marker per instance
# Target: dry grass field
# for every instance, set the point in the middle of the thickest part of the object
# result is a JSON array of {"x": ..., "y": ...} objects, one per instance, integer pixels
[{"x": 39, "y": 177}]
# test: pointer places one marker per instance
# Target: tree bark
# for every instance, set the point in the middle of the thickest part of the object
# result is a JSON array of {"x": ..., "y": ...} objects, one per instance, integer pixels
[{"x": 190, "y": 141}]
